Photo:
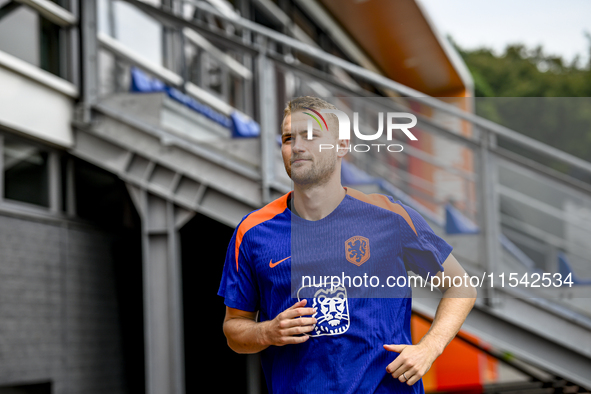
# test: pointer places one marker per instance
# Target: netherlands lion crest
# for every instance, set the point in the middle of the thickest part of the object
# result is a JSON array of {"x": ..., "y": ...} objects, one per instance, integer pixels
[{"x": 357, "y": 250}]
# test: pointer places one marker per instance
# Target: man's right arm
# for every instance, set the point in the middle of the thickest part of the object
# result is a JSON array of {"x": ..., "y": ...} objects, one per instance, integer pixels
[{"x": 246, "y": 335}]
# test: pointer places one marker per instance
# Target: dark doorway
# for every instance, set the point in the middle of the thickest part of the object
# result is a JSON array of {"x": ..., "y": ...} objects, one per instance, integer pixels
[
  {"x": 103, "y": 199},
  {"x": 208, "y": 359}
]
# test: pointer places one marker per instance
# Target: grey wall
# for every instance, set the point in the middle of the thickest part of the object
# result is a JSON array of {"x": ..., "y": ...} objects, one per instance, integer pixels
[{"x": 58, "y": 307}]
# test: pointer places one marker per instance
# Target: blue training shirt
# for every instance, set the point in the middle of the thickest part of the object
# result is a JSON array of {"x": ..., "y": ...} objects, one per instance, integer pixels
[{"x": 372, "y": 235}]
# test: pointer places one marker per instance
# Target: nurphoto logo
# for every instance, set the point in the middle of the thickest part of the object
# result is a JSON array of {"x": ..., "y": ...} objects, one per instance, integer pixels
[{"x": 345, "y": 129}]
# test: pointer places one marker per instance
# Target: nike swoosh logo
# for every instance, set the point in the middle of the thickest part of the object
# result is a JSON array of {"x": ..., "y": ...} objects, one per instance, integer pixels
[{"x": 273, "y": 265}]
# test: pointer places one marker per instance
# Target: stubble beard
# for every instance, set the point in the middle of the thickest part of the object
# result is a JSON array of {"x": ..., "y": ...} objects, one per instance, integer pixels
[{"x": 318, "y": 174}]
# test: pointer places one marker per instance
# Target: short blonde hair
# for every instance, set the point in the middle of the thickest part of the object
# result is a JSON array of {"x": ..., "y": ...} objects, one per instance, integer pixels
[{"x": 301, "y": 103}]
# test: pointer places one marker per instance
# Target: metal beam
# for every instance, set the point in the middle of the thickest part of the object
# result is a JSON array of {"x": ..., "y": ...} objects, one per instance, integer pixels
[
  {"x": 121, "y": 50},
  {"x": 233, "y": 65},
  {"x": 163, "y": 317},
  {"x": 89, "y": 62},
  {"x": 489, "y": 209},
  {"x": 192, "y": 193},
  {"x": 269, "y": 123}
]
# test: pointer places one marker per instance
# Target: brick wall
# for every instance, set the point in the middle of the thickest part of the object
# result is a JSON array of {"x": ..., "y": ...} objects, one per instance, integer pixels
[{"x": 58, "y": 308}]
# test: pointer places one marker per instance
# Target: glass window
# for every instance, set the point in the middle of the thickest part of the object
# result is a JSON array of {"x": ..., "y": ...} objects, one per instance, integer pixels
[
  {"x": 30, "y": 37},
  {"x": 138, "y": 31},
  {"x": 19, "y": 32},
  {"x": 26, "y": 176}
]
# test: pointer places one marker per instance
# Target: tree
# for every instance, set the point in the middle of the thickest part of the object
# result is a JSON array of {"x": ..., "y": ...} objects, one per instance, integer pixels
[{"x": 536, "y": 94}]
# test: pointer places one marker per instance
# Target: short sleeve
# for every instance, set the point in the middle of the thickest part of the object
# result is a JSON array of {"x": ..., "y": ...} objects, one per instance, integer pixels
[
  {"x": 424, "y": 252},
  {"x": 239, "y": 285}
]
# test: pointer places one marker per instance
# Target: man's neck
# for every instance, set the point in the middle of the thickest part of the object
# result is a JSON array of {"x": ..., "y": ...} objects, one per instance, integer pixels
[{"x": 317, "y": 202}]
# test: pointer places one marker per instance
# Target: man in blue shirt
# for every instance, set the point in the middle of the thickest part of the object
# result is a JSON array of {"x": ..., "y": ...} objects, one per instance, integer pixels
[{"x": 316, "y": 337}]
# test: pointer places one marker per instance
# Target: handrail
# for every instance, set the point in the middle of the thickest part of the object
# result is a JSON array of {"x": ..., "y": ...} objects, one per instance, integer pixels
[
  {"x": 381, "y": 81},
  {"x": 261, "y": 40},
  {"x": 258, "y": 46},
  {"x": 113, "y": 45},
  {"x": 319, "y": 55},
  {"x": 119, "y": 49},
  {"x": 234, "y": 66},
  {"x": 386, "y": 83}
]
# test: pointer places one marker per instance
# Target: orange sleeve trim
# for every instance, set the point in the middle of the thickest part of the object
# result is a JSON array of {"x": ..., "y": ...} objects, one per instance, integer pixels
[
  {"x": 382, "y": 201},
  {"x": 267, "y": 212}
]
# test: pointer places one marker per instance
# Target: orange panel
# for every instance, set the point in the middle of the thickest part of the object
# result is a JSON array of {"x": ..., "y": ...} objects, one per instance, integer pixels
[{"x": 461, "y": 366}]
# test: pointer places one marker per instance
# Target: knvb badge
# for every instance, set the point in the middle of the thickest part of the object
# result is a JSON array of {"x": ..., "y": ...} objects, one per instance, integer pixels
[{"x": 357, "y": 250}]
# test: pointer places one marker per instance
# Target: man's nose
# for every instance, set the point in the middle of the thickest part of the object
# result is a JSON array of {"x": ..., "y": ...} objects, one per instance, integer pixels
[{"x": 297, "y": 143}]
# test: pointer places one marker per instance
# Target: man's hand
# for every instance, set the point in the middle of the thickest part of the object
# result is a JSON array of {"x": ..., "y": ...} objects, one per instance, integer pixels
[
  {"x": 246, "y": 335},
  {"x": 412, "y": 363},
  {"x": 415, "y": 360},
  {"x": 288, "y": 326}
]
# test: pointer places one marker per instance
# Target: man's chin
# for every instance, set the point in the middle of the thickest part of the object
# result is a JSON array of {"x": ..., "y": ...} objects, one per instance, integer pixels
[{"x": 303, "y": 178}]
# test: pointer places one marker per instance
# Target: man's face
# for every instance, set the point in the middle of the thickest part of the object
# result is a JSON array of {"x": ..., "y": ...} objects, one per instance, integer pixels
[{"x": 303, "y": 161}]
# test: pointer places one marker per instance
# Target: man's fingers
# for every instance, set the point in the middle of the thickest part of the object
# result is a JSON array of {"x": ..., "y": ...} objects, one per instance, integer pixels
[
  {"x": 298, "y": 304},
  {"x": 290, "y": 327},
  {"x": 403, "y": 367},
  {"x": 398, "y": 362},
  {"x": 304, "y": 321},
  {"x": 292, "y": 340},
  {"x": 402, "y": 374},
  {"x": 413, "y": 379},
  {"x": 394, "y": 366},
  {"x": 395, "y": 348},
  {"x": 297, "y": 312},
  {"x": 409, "y": 377},
  {"x": 294, "y": 331}
]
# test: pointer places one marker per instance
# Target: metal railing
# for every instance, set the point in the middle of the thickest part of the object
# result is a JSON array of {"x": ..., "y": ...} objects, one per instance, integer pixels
[{"x": 234, "y": 64}]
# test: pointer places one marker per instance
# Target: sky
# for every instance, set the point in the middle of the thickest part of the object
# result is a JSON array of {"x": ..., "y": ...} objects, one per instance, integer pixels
[{"x": 558, "y": 26}]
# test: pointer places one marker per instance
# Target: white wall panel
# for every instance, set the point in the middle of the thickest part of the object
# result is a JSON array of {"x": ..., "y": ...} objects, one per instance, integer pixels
[{"x": 36, "y": 109}]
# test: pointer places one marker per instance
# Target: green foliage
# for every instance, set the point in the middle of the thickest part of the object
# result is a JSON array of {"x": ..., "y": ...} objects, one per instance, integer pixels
[
  {"x": 536, "y": 94},
  {"x": 523, "y": 72}
]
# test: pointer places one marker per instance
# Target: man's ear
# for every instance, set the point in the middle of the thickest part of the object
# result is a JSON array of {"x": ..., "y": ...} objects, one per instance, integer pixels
[{"x": 343, "y": 147}]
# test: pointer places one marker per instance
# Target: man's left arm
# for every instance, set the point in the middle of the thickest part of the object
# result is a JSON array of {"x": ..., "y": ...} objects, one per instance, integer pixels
[{"x": 457, "y": 301}]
